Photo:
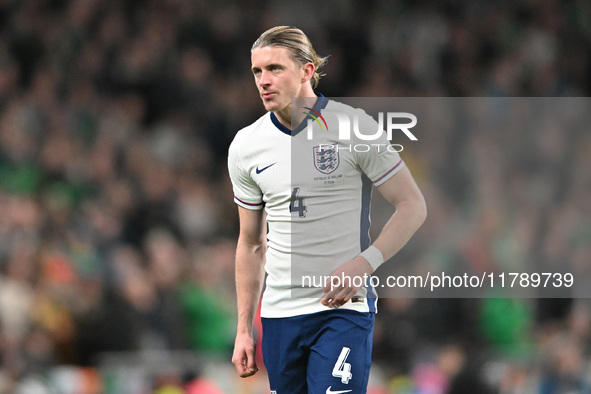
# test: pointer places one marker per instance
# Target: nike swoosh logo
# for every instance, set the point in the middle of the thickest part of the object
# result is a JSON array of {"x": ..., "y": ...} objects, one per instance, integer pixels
[
  {"x": 264, "y": 168},
  {"x": 329, "y": 391}
]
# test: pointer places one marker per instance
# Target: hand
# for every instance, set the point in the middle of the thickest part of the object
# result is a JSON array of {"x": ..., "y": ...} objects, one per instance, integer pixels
[
  {"x": 243, "y": 357},
  {"x": 338, "y": 292}
]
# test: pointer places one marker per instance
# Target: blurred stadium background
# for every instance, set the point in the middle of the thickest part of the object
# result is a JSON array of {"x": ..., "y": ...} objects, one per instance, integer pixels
[{"x": 117, "y": 225}]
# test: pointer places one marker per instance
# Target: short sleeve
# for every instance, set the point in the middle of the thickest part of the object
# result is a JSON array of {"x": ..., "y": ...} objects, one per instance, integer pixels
[
  {"x": 381, "y": 160},
  {"x": 246, "y": 192}
]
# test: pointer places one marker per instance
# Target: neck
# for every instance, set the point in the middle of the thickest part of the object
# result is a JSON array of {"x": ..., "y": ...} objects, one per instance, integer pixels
[{"x": 284, "y": 115}]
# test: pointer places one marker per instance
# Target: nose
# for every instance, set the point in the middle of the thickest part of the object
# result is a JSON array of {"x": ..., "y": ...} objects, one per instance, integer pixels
[{"x": 264, "y": 79}]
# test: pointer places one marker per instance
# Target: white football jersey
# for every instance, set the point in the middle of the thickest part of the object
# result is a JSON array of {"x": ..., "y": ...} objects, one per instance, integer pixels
[{"x": 317, "y": 201}]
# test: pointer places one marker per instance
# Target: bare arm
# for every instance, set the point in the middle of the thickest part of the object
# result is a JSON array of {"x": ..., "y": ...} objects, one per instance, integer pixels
[
  {"x": 402, "y": 192},
  {"x": 250, "y": 274},
  {"x": 411, "y": 211}
]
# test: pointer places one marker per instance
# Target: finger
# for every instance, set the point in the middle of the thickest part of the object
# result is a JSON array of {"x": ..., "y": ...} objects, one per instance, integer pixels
[
  {"x": 244, "y": 370},
  {"x": 328, "y": 298},
  {"x": 329, "y": 287},
  {"x": 245, "y": 363},
  {"x": 350, "y": 294},
  {"x": 332, "y": 292},
  {"x": 342, "y": 293},
  {"x": 239, "y": 363},
  {"x": 251, "y": 364},
  {"x": 342, "y": 298},
  {"x": 333, "y": 284},
  {"x": 336, "y": 302},
  {"x": 249, "y": 372}
]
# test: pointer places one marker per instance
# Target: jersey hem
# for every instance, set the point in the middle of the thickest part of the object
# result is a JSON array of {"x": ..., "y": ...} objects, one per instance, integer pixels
[{"x": 289, "y": 312}]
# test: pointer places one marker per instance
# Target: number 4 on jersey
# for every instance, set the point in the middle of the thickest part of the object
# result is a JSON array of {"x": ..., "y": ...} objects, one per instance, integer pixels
[
  {"x": 297, "y": 203},
  {"x": 342, "y": 369}
]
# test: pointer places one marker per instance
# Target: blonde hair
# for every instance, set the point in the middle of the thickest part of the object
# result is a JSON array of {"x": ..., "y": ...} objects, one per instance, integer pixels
[{"x": 297, "y": 43}]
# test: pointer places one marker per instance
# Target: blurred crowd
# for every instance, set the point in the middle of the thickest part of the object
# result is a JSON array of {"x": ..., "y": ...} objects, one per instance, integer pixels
[{"x": 118, "y": 227}]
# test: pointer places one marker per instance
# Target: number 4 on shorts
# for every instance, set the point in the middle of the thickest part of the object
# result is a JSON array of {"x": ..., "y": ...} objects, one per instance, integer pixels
[{"x": 342, "y": 369}]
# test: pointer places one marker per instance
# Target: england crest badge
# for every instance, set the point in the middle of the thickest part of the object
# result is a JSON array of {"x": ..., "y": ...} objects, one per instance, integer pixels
[{"x": 326, "y": 158}]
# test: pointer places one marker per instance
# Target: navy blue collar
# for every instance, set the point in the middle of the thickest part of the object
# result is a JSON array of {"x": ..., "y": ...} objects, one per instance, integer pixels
[{"x": 320, "y": 105}]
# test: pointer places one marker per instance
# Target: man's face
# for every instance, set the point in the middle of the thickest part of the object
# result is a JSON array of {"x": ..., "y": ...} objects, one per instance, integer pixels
[{"x": 277, "y": 76}]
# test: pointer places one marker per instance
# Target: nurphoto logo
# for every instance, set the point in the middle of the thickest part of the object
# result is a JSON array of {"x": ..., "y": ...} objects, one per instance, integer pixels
[
  {"x": 387, "y": 122},
  {"x": 315, "y": 115}
]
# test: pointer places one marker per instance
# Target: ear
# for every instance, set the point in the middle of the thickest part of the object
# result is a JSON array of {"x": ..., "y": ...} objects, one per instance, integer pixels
[{"x": 308, "y": 72}]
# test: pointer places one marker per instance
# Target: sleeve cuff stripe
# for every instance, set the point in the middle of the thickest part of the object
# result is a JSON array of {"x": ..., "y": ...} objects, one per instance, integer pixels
[
  {"x": 389, "y": 171},
  {"x": 248, "y": 203}
]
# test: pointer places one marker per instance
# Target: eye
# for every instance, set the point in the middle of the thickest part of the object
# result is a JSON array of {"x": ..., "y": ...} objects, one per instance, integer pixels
[{"x": 275, "y": 68}]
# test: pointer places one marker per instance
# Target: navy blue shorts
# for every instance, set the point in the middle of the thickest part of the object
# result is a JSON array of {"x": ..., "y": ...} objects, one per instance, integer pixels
[{"x": 320, "y": 353}]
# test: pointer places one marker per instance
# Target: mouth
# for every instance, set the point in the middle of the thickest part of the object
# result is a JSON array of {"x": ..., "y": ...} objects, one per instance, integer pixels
[{"x": 268, "y": 95}]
